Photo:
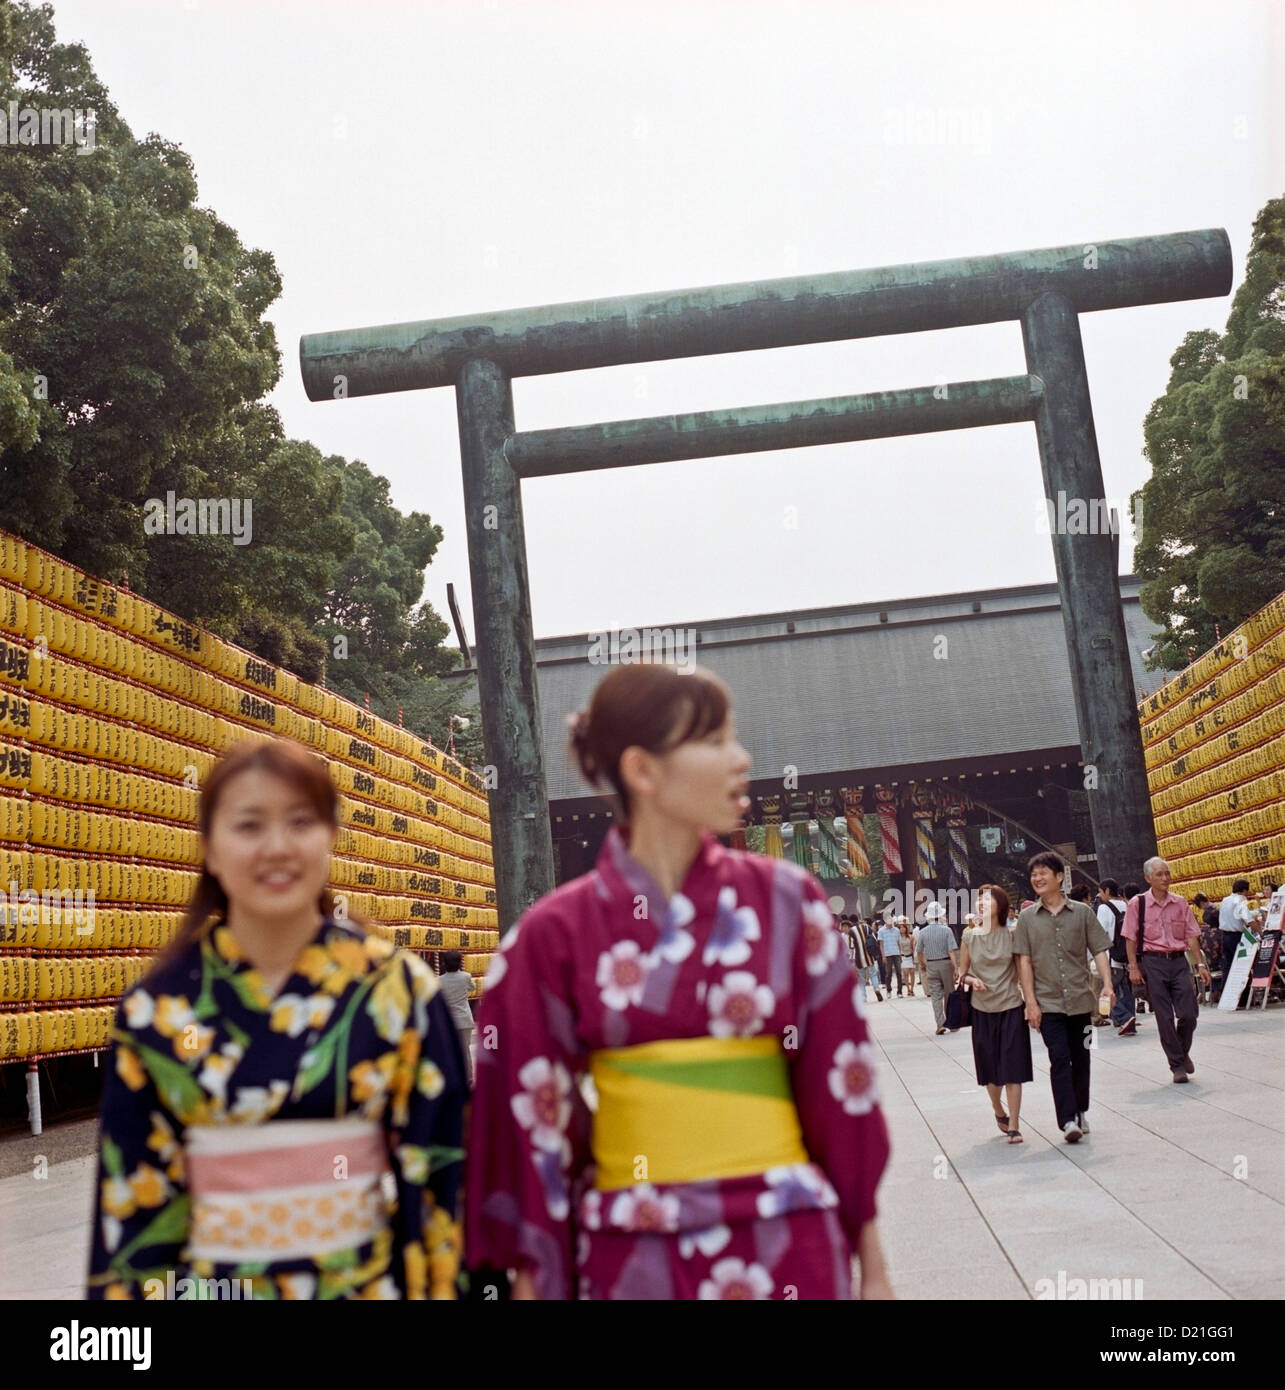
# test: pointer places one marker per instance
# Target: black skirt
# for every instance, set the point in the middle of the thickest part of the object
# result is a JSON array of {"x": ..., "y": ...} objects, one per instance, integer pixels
[{"x": 1002, "y": 1047}]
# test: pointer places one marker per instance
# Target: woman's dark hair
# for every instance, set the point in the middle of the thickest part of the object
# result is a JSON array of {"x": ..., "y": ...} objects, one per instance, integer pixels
[
  {"x": 293, "y": 764},
  {"x": 451, "y": 961},
  {"x": 647, "y": 705},
  {"x": 1200, "y": 898},
  {"x": 1000, "y": 898},
  {"x": 1049, "y": 861}
]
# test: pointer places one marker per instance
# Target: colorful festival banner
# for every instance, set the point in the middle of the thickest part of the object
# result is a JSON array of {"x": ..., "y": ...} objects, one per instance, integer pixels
[
  {"x": 957, "y": 827},
  {"x": 854, "y": 819},
  {"x": 800, "y": 817},
  {"x": 772, "y": 844},
  {"x": 889, "y": 836},
  {"x": 827, "y": 840},
  {"x": 925, "y": 851}
]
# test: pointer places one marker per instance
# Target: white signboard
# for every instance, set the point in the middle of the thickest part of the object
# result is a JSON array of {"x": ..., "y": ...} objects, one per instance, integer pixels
[
  {"x": 1236, "y": 976},
  {"x": 1276, "y": 910}
]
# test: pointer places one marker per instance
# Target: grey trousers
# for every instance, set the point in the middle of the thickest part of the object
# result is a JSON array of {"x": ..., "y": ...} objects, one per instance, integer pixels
[
  {"x": 1172, "y": 997},
  {"x": 466, "y": 1046},
  {"x": 941, "y": 980}
]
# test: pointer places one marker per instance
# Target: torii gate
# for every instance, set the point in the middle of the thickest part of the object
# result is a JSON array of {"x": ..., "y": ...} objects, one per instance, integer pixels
[{"x": 1045, "y": 290}]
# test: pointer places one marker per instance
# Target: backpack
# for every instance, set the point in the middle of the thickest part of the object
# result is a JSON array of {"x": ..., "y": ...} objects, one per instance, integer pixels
[
  {"x": 1117, "y": 941},
  {"x": 1119, "y": 948}
]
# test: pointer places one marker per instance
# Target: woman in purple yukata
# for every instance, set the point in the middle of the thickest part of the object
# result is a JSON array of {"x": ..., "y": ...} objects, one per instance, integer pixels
[{"x": 737, "y": 1139}]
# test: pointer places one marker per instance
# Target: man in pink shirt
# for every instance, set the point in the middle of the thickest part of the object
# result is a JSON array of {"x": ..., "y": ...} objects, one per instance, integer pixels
[{"x": 1169, "y": 932}]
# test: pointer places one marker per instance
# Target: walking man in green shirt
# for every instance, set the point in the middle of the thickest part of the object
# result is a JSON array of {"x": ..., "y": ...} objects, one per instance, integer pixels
[{"x": 1052, "y": 943}]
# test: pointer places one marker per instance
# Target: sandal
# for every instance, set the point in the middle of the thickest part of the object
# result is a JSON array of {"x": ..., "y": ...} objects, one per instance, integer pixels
[
  {"x": 1015, "y": 1136},
  {"x": 1002, "y": 1122}
]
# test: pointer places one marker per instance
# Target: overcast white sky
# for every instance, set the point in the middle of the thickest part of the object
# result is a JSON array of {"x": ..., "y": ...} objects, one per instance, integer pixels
[{"x": 417, "y": 160}]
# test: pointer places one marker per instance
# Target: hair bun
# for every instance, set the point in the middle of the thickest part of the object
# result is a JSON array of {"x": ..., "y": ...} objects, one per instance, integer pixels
[{"x": 578, "y": 729}]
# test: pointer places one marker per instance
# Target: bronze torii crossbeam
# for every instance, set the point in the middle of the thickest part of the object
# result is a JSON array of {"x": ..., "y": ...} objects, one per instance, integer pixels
[{"x": 1045, "y": 290}]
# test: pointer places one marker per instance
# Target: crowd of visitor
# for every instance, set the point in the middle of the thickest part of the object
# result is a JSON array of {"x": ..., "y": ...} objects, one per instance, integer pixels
[{"x": 1034, "y": 968}]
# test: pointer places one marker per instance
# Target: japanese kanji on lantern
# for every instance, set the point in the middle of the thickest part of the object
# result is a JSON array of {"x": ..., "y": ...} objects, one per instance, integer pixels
[
  {"x": 112, "y": 711},
  {"x": 1214, "y": 743}
]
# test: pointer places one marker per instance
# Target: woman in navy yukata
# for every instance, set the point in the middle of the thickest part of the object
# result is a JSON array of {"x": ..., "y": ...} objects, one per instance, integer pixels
[
  {"x": 737, "y": 1139},
  {"x": 276, "y": 1075}
]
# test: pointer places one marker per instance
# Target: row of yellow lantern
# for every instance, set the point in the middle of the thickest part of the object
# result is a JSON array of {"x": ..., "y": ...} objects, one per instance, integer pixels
[
  {"x": 1250, "y": 738},
  {"x": 1247, "y": 857},
  {"x": 1226, "y": 835},
  {"x": 381, "y": 878},
  {"x": 51, "y": 926},
  {"x": 31, "y": 771},
  {"x": 43, "y": 577},
  {"x": 68, "y": 828},
  {"x": 44, "y": 1031},
  {"x": 1263, "y": 661},
  {"x": 1225, "y": 718},
  {"x": 1255, "y": 630},
  {"x": 442, "y": 938},
  {"x": 1244, "y": 795},
  {"x": 383, "y": 849},
  {"x": 394, "y": 910},
  {"x": 109, "y": 880},
  {"x": 1218, "y": 885},
  {"x": 1234, "y": 773},
  {"x": 42, "y": 978},
  {"x": 171, "y": 697}
]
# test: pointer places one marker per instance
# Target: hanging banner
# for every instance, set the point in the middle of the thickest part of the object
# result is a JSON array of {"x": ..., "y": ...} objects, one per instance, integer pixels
[
  {"x": 772, "y": 845},
  {"x": 889, "y": 836},
  {"x": 925, "y": 850},
  {"x": 800, "y": 819},
  {"x": 957, "y": 827},
  {"x": 827, "y": 840},
  {"x": 854, "y": 821}
]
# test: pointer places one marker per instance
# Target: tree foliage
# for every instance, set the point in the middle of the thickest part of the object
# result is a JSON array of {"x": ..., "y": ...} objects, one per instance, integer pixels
[
  {"x": 1212, "y": 548},
  {"x": 134, "y": 358}
]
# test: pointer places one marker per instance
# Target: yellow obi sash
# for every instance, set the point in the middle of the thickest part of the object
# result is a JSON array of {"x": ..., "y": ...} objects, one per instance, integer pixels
[{"x": 692, "y": 1110}]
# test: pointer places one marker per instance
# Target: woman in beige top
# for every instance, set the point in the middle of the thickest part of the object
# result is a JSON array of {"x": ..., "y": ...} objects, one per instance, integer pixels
[{"x": 1001, "y": 1039}]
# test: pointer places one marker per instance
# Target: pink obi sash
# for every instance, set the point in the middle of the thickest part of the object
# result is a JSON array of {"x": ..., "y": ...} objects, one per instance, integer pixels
[{"x": 284, "y": 1190}]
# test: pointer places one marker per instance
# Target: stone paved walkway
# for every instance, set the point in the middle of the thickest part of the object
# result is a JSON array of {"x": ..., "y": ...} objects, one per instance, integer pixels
[{"x": 1179, "y": 1189}]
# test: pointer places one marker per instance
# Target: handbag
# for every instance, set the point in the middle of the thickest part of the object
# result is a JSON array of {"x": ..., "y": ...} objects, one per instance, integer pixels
[{"x": 959, "y": 1012}]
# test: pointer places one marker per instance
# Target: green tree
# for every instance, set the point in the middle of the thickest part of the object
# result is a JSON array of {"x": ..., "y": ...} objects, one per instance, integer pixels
[
  {"x": 134, "y": 356},
  {"x": 380, "y": 642},
  {"x": 131, "y": 321},
  {"x": 1212, "y": 544}
]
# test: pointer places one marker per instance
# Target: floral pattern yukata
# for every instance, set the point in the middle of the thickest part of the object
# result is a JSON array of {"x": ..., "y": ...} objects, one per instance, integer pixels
[
  {"x": 746, "y": 948},
  {"x": 358, "y": 1032}
]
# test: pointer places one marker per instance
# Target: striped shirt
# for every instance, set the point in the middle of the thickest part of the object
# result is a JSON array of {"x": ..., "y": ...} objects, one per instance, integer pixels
[{"x": 936, "y": 941}]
